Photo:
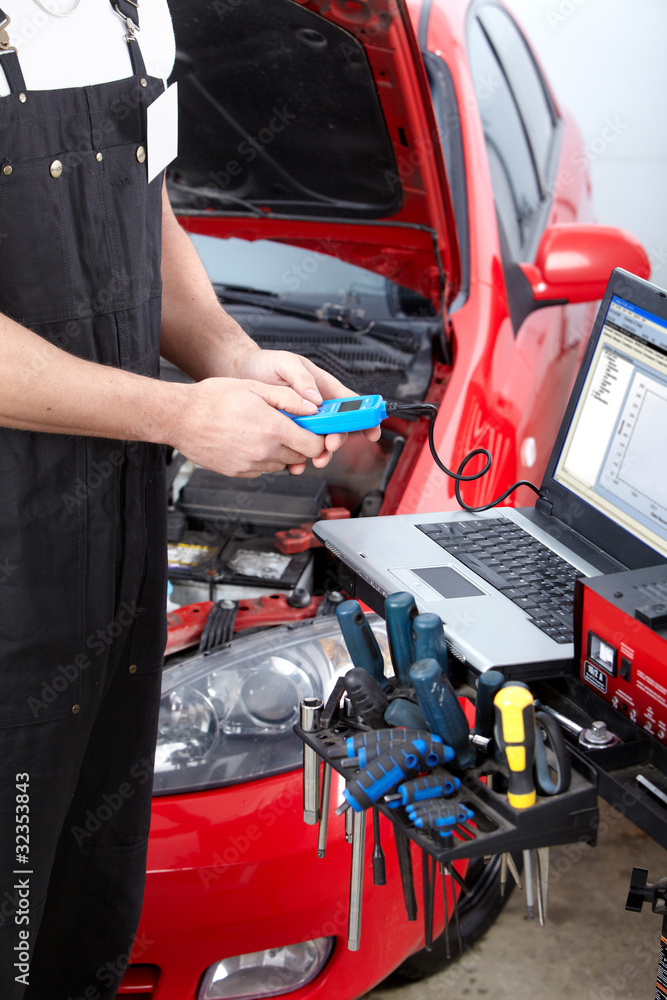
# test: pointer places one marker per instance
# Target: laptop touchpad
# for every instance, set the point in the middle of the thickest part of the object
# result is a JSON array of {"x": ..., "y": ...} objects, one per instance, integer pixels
[
  {"x": 448, "y": 582},
  {"x": 445, "y": 581}
]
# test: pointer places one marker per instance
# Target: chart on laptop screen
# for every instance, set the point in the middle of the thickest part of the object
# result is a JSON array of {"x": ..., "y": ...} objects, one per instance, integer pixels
[
  {"x": 613, "y": 455},
  {"x": 630, "y": 471}
]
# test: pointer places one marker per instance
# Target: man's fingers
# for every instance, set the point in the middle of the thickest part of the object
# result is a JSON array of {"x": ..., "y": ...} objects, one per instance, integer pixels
[
  {"x": 328, "y": 386},
  {"x": 320, "y": 461},
  {"x": 333, "y": 442},
  {"x": 291, "y": 369},
  {"x": 282, "y": 368},
  {"x": 281, "y": 397}
]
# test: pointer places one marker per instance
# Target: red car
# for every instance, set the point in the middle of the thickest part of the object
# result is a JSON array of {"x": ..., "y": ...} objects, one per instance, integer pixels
[{"x": 394, "y": 192}]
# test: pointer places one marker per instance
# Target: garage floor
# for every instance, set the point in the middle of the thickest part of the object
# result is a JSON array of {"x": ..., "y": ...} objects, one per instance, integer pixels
[
  {"x": 591, "y": 947},
  {"x": 605, "y": 59}
]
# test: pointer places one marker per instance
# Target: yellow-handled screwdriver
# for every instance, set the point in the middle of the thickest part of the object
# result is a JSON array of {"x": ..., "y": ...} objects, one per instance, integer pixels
[{"x": 515, "y": 734}]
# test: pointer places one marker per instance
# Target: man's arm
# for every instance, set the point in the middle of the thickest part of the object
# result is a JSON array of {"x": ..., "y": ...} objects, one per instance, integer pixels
[
  {"x": 197, "y": 335},
  {"x": 228, "y": 425},
  {"x": 201, "y": 339}
]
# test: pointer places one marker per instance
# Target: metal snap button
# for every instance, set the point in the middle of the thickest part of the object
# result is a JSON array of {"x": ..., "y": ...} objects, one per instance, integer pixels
[
  {"x": 56, "y": 168},
  {"x": 7, "y": 169},
  {"x": 76, "y": 709},
  {"x": 133, "y": 668},
  {"x": 141, "y": 154},
  {"x": 99, "y": 157}
]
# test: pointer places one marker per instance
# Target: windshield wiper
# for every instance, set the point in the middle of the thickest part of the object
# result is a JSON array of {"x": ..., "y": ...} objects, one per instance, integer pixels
[
  {"x": 215, "y": 195},
  {"x": 332, "y": 314}
]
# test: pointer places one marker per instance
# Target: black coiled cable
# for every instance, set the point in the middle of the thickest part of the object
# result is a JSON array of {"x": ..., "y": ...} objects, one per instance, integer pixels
[{"x": 431, "y": 411}]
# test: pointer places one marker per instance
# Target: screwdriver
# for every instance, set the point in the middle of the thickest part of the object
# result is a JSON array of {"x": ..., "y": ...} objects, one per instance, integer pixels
[
  {"x": 488, "y": 686},
  {"x": 385, "y": 739},
  {"x": 402, "y": 712},
  {"x": 368, "y": 699},
  {"x": 428, "y": 883},
  {"x": 388, "y": 771},
  {"x": 400, "y": 611},
  {"x": 448, "y": 953},
  {"x": 437, "y": 700},
  {"x": 404, "y": 856},
  {"x": 437, "y": 753},
  {"x": 453, "y": 873},
  {"x": 433, "y": 821},
  {"x": 360, "y": 641},
  {"x": 436, "y": 785},
  {"x": 379, "y": 866},
  {"x": 515, "y": 735},
  {"x": 430, "y": 640}
]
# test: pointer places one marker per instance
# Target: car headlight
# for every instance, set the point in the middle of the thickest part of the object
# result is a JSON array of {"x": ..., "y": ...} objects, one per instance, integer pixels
[
  {"x": 266, "y": 973},
  {"x": 227, "y": 715}
]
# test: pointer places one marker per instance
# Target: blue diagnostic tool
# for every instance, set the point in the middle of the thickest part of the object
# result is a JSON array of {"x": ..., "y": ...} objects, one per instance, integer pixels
[{"x": 336, "y": 416}]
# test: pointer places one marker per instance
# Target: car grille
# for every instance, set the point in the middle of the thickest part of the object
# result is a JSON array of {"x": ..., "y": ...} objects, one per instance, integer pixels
[{"x": 400, "y": 371}]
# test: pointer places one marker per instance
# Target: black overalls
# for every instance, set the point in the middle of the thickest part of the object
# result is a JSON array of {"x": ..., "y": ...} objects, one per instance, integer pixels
[{"x": 82, "y": 542}]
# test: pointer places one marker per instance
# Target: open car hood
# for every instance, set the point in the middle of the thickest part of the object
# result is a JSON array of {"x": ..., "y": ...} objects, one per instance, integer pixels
[{"x": 311, "y": 123}]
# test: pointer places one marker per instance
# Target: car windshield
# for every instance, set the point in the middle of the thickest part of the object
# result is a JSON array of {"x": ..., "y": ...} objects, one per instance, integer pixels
[{"x": 294, "y": 275}]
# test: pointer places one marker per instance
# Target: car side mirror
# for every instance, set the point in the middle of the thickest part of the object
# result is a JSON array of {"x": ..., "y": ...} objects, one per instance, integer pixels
[{"x": 573, "y": 262}]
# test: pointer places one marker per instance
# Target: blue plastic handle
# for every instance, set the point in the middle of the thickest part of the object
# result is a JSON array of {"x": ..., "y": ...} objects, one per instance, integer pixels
[
  {"x": 430, "y": 640},
  {"x": 402, "y": 712},
  {"x": 360, "y": 641},
  {"x": 400, "y": 612},
  {"x": 442, "y": 710}
]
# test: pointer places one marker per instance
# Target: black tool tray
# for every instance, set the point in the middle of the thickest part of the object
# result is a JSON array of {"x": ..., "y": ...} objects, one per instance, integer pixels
[
  {"x": 616, "y": 767},
  {"x": 496, "y": 828}
]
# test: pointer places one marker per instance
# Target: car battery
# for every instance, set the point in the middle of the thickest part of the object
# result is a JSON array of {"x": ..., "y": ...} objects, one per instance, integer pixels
[
  {"x": 621, "y": 643},
  {"x": 271, "y": 501},
  {"x": 207, "y": 566}
]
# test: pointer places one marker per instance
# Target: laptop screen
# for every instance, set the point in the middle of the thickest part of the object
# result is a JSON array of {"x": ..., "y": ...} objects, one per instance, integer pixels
[{"x": 613, "y": 456}]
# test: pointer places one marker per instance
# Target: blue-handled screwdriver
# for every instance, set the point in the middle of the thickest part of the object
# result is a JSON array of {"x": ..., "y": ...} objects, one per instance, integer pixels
[
  {"x": 442, "y": 710},
  {"x": 430, "y": 754},
  {"x": 430, "y": 640},
  {"x": 447, "y": 818},
  {"x": 380, "y": 777},
  {"x": 389, "y": 770},
  {"x": 385, "y": 739},
  {"x": 436, "y": 785},
  {"x": 360, "y": 640},
  {"x": 402, "y": 712},
  {"x": 400, "y": 612}
]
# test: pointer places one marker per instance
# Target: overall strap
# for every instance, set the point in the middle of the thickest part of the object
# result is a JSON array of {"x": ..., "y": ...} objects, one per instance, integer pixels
[
  {"x": 9, "y": 60},
  {"x": 128, "y": 10}
]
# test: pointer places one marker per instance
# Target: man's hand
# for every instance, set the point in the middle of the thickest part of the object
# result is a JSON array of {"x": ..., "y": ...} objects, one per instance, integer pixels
[
  {"x": 200, "y": 338},
  {"x": 306, "y": 379},
  {"x": 233, "y": 426}
]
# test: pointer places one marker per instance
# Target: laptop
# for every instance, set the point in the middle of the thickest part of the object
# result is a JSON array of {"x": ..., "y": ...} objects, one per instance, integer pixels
[{"x": 502, "y": 580}]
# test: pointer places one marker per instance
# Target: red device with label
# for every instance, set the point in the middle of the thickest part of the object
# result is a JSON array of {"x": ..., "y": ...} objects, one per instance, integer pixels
[{"x": 621, "y": 643}]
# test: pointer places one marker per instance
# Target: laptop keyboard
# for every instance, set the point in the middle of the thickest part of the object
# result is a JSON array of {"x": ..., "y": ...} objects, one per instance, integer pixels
[{"x": 516, "y": 564}]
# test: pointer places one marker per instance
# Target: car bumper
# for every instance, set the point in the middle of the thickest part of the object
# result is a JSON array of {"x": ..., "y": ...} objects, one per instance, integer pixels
[{"x": 235, "y": 870}]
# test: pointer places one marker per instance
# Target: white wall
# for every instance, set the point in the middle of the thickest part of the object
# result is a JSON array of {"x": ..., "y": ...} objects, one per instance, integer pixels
[{"x": 607, "y": 61}]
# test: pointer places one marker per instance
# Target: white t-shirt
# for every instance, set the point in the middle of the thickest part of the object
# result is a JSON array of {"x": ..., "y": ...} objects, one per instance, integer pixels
[{"x": 89, "y": 46}]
